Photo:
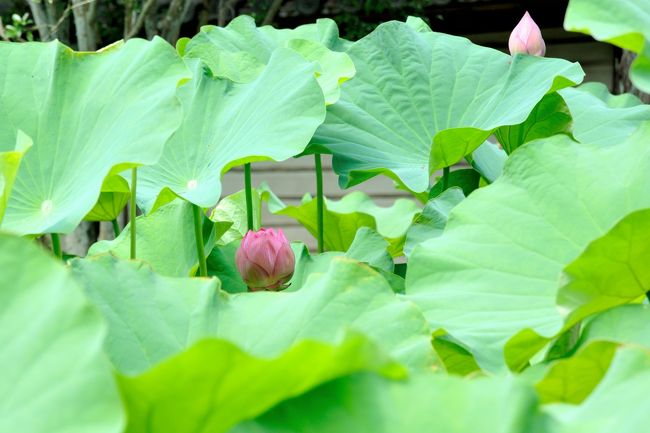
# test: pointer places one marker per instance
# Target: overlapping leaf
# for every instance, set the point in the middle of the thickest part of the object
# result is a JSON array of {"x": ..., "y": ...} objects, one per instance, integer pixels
[
  {"x": 602, "y": 118},
  {"x": 87, "y": 113},
  {"x": 423, "y": 403},
  {"x": 495, "y": 270},
  {"x": 53, "y": 375},
  {"x": 225, "y": 124},
  {"x": 349, "y": 295},
  {"x": 240, "y": 51},
  {"x": 617, "y": 404},
  {"x": 423, "y": 100},
  {"x": 344, "y": 217},
  {"x": 624, "y": 23},
  {"x": 215, "y": 384},
  {"x": 165, "y": 239}
]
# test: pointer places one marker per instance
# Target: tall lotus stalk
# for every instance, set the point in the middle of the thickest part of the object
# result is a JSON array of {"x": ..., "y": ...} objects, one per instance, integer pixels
[
  {"x": 56, "y": 245},
  {"x": 198, "y": 234},
  {"x": 132, "y": 209},
  {"x": 249, "y": 196},
  {"x": 320, "y": 203}
]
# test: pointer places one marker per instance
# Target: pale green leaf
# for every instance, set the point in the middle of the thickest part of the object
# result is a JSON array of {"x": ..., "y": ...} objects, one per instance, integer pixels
[
  {"x": 494, "y": 273},
  {"x": 215, "y": 384},
  {"x": 423, "y": 100},
  {"x": 624, "y": 23},
  {"x": 54, "y": 377},
  {"x": 225, "y": 124},
  {"x": 88, "y": 114}
]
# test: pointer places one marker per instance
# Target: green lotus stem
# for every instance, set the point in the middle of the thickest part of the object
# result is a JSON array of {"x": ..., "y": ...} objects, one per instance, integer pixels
[
  {"x": 249, "y": 196},
  {"x": 56, "y": 245},
  {"x": 200, "y": 245},
  {"x": 116, "y": 227},
  {"x": 647, "y": 294},
  {"x": 132, "y": 210},
  {"x": 320, "y": 201},
  {"x": 445, "y": 178}
]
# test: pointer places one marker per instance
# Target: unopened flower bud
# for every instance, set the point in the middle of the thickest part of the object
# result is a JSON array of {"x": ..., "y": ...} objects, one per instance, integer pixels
[
  {"x": 526, "y": 38},
  {"x": 265, "y": 260}
]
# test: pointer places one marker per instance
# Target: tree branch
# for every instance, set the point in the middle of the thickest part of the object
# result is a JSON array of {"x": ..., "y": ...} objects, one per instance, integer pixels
[
  {"x": 272, "y": 12},
  {"x": 40, "y": 18},
  {"x": 146, "y": 9}
]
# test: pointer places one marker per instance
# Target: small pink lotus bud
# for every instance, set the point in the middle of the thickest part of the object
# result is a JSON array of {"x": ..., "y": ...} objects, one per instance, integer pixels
[
  {"x": 526, "y": 38},
  {"x": 265, "y": 260}
]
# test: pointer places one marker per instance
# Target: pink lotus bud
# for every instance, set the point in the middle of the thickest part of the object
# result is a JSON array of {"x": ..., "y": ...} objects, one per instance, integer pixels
[
  {"x": 526, "y": 38},
  {"x": 265, "y": 260}
]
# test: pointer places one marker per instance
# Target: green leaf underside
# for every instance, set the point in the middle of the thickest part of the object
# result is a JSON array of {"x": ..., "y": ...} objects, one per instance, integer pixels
[
  {"x": 148, "y": 313},
  {"x": 226, "y": 124},
  {"x": 53, "y": 375},
  {"x": 9, "y": 163},
  {"x": 495, "y": 270},
  {"x": 114, "y": 196},
  {"x": 467, "y": 179},
  {"x": 624, "y": 23},
  {"x": 129, "y": 110},
  {"x": 617, "y": 404},
  {"x": 423, "y": 403},
  {"x": 489, "y": 160},
  {"x": 232, "y": 208},
  {"x": 602, "y": 118},
  {"x": 395, "y": 118},
  {"x": 344, "y": 217},
  {"x": 549, "y": 117},
  {"x": 214, "y": 385},
  {"x": 433, "y": 219},
  {"x": 165, "y": 239},
  {"x": 221, "y": 264}
]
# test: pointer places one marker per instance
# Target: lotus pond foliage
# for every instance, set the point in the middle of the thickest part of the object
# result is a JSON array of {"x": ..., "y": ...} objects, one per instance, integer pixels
[{"x": 508, "y": 294}]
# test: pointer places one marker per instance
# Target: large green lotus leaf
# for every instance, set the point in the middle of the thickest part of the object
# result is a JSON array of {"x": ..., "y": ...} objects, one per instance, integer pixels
[
  {"x": 214, "y": 385},
  {"x": 240, "y": 51},
  {"x": 602, "y": 118},
  {"x": 344, "y": 217},
  {"x": 152, "y": 317},
  {"x": 114, "y": 196},
  {"x": 495, "y": 270},
  {"x": 9, "y": 163},
  {"x": 165, "y": 239},
  {"x": 87, "y": 113},
  {"x": 53, "y": 375},
  {"x": 226, "y": 124},
  {"x": 619, "y": 402},
  {"x": 423, "y": 100},
  {"x": 624, "y": 23},
  {"x": 549, "y": 117},
  {"x": 433, "y": 219},
  {"x": 349, "y": 295},
  {"x": 423, "y": 403}
]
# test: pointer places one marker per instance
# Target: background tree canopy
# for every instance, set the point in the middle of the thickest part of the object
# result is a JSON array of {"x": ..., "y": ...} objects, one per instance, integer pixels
[{"x": 91, "y": 24}]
